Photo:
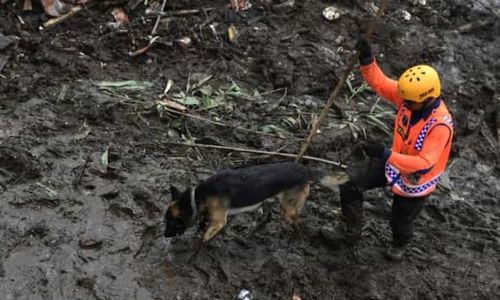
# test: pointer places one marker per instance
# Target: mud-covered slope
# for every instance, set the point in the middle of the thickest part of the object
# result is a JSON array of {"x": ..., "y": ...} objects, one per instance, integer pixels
[{"x": 85, "y": 172}]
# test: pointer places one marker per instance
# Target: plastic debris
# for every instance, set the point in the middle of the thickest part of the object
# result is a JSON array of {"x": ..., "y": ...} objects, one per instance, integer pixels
[
  {"x": 55, "y": 8},
  {"x": 120, "y": 17},
  {"x": 296, "y": 297},
  {"x": 419, "y": 2},
  {"x": 405, "y": 15},
  {"x": 239, "y": 4},
  {"x": 331, "y": 13},
  {"x": 244, "y": 295},
  {"x": 185, "y": 41}
]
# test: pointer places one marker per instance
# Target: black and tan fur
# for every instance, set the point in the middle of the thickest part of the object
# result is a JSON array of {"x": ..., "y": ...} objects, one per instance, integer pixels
[{"x": 241, "y": 190}]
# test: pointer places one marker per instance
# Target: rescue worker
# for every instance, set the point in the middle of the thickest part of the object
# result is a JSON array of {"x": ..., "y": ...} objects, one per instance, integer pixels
[{"x": 412, "y": 166}]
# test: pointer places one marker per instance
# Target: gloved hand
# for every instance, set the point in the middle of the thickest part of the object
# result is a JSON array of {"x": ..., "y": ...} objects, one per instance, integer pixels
[
  {"x": 374, "y": 149},
  {"x": 365, "y": 51}
]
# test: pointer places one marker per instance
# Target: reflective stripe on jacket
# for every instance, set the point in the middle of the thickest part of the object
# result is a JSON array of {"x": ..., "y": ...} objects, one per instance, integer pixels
[{"x": 420, "y": 149}]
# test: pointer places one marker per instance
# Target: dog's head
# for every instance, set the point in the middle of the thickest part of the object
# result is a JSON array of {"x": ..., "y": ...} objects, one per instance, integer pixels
[{"x": 179, "y": 214}]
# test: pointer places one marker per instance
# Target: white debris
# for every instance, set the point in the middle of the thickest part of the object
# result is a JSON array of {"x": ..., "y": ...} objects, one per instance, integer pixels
[
  {"x": 372, "y": 7},
  {"x": 331, "y": 13},
  {"x": 244, "y": 295},
  {"x": 339, "y": 40},
  {"x": 419, "y": 2},
  {"x": 405, "y": 15},
  {"x": 185, "y": 41}
]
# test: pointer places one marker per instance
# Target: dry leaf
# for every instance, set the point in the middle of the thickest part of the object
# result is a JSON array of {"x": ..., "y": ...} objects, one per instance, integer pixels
[
  {"x": 120, "y": 16},
  {"x": 232, "y": 33}
]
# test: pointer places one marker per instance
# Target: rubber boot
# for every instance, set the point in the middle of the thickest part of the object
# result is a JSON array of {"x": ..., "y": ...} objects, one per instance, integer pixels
[
  {"x": 348, "y": 231},
  {"x": 395, "y": 252}
]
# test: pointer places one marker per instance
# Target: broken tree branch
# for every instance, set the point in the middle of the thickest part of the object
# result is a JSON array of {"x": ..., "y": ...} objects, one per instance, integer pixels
[
  {"x": 336, "y": 91},
  {"x": 55, "y": 21},
  {"x": 237, "y": 149}
]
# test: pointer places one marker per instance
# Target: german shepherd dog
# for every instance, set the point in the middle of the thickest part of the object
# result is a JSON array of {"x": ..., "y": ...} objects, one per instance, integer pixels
[{"x": 240, "y": 190}]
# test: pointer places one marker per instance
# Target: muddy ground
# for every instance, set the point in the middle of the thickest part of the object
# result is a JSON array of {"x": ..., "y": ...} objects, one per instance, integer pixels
[{"x": 85, "y": 170}]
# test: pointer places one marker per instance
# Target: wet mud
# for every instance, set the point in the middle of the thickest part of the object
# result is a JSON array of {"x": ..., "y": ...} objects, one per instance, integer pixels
[{"x": 85, "y": 172}]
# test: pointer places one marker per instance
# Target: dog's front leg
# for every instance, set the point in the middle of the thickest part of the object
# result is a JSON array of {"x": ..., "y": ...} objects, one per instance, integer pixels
[
  {"x": 217, "y": 222},
  {"x": 217, "y": 216}
]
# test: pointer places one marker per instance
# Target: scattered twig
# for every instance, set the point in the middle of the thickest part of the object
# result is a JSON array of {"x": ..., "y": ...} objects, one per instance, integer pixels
[
  {"x": 336, "y": 91},
  {"x": 55, "y": 21},
  {"x": 279, "y": 149},
  {"x": 185, "y": 12},
  {"x": 221, "y": 124},
  {"x": 142, "y": 119},
  {"x": 143, "y": 49},
  {"x": 158, "y": 19},
  {"x": 3, "y": 63},
  {"x": 237, "y": 149},
  {"x": 62, "y": 93},
  {"x": 475, "y": 25},
  {"x": 273, "y": 91},
  {"x": 82, "y": 171},
  {"x": 200, "y": 156},
  {"x": 486, "y": 133}
]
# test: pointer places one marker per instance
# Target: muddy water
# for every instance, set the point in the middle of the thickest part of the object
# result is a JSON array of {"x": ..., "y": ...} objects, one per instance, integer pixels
[{"x": 75, "y": 227}]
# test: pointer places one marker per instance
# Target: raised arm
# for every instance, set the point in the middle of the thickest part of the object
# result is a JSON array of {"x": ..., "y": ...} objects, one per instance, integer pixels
[{"x": 381, "y": 84}]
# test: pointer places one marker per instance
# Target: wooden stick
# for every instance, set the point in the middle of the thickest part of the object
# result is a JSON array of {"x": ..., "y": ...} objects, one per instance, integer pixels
[
  {"x": 158, "y": 19},
  {"x": 55, "y": 21},
  {"x": 186, "y": 12},
  {"x": 336, "y": 91},
  {"x": 237, "y": 149},
  {"x": 475, "y": 25}
]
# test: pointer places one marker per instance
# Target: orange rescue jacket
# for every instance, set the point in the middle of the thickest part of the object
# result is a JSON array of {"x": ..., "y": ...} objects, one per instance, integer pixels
[{"x": 421, "y": 145}]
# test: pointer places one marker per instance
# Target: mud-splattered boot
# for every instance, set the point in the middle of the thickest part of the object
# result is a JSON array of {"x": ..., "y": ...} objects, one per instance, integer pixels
[
  {"x": 395, "y": 253},
  {"x": 351, "y": 202},
  {"x": 345, "y": 234}
]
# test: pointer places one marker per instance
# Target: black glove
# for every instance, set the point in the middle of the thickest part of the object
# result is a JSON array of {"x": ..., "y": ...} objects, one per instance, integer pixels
[
  {"x": 374, "y": 149},
  {"x": 365, "y": 51}
]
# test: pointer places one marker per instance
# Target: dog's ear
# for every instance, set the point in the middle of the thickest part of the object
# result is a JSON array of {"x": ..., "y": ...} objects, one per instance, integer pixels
[{"x": 175, "y": 193}]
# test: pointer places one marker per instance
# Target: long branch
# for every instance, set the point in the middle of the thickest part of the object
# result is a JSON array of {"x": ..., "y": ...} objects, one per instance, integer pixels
[{"x": 238, "y": 149}]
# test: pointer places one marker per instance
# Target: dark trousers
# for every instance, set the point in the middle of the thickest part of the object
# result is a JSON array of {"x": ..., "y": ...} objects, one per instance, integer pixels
[{"x": 369, "y": 175}]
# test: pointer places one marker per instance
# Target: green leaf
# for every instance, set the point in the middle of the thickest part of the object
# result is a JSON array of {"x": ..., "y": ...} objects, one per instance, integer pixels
[
  {"x": 202, "y": 82},
  {"x": 104, "y": 159},
  {"x": 274, "y": 129},
  {"x": 189, "y": 100},
  {"x": 206, "y": 90}
]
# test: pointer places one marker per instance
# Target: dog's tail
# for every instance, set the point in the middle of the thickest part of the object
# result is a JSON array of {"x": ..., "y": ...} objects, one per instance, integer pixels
[{"x": 330, "y": 178}]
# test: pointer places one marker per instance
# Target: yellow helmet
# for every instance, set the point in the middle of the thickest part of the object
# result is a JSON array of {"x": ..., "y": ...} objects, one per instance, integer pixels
[{"x": 419, "y": 83}]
